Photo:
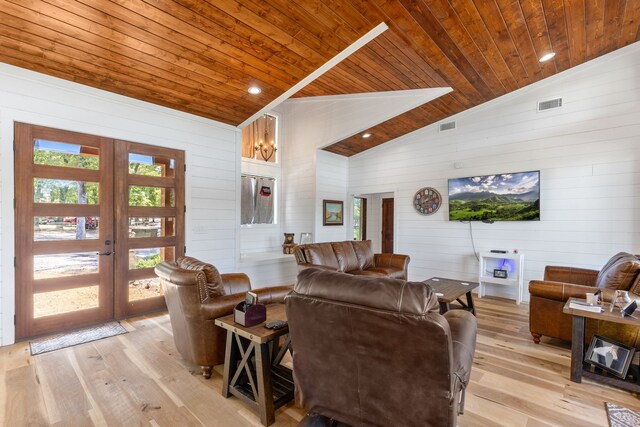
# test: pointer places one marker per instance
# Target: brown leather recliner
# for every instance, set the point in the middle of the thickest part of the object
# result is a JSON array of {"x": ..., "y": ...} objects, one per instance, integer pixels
[
  {"x": 376, "y": 351},
  {"x": 548, "y": 297},
  {"x": 353, "y": 257},
  {"x": 196, "y": 294}
]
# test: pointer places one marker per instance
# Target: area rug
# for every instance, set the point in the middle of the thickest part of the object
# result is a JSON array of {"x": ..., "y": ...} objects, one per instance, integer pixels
[
  {"x": 77, "y": 337},
  {"x": 622, "y": 417}
]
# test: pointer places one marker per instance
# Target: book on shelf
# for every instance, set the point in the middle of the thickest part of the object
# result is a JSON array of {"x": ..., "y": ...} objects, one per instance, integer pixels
[{"x": 581, "y": 305}]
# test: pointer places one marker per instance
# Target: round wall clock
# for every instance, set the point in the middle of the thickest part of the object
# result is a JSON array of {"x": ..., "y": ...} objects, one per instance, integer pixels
[{"x": 427, "y": 201}]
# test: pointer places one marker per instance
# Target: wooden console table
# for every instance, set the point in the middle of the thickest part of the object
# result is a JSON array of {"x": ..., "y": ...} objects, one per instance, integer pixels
[
  {"x": 252, "y": 369},
  {"x": 580, "y": 368}
]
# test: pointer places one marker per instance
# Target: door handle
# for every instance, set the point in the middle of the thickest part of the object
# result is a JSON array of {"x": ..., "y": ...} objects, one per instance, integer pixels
[{"x": 107, "y": 253}]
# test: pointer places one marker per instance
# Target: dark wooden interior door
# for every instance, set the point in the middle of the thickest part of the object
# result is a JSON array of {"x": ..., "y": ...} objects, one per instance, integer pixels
[
  {"x": 64, "y": 229},
  {"x": 387, "y": 226},
  {"x": 149, "y": 211}
]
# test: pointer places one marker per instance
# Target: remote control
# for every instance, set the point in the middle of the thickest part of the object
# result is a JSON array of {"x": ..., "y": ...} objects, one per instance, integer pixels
[{"x": 278, "y": 324}]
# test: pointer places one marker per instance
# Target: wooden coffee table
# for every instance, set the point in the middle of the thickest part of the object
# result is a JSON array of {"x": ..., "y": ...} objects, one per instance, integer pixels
[
  {"x": 252, "y": 369},
  {"x": 450, "y": 290}
]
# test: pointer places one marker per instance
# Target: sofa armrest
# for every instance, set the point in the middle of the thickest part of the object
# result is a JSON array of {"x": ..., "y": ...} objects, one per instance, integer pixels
[
  {"x": 578, "y": 276},
  {"x": 558, "y": 291},
  {"x": 463, "y": 326},
  {"x": 224, "y": 305},
  {"x": 391, "y": 260}
]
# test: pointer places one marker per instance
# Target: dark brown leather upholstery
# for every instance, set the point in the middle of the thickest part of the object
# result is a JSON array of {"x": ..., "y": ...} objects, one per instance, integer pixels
[
  {"x": 376, "y": 351},
  {"x": 549, "y": 296},
  {"x": 353, "y": 257},
  {"x": 194, "y": 303}
]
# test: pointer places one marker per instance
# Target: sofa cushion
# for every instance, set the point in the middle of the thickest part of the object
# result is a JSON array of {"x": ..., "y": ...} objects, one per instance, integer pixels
[
  {"x": 321, "y": 254},
  {"x": 619, "y": 274},
  {"x": 346, "y": 256},
  {"x": 635, "y": 287},
  {"x": 214, "y": 280},
  {"x": 364, "y": 253}
]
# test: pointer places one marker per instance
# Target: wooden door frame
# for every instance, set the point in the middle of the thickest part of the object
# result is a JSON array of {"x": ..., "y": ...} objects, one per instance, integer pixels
[
  {"x": 124, "y": 307},
  {"x": 382, "y": 225},
  {"x": 25, "y": 247}
]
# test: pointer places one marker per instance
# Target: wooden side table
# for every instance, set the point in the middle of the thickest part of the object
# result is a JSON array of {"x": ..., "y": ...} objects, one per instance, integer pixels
[
  {"x": 579, "y": 368},
  {"x": 252, "y": 370}
]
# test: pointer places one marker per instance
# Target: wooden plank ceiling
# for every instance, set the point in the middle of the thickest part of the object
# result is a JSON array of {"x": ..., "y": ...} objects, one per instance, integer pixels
[{"x": 202, "y": 56}]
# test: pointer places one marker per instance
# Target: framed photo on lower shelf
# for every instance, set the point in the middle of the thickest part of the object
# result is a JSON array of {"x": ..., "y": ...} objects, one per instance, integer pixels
[{"x": 610, "y": 355}]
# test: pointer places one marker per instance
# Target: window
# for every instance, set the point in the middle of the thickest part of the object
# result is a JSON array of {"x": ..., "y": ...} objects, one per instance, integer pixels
[
  {"x": 259, "y": 139},
  {"x": 257, "y": 200},
  {"x": 359, "y": 218}
]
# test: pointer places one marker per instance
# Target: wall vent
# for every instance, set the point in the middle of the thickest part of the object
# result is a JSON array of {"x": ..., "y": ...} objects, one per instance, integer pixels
[
  {"x": 549, "y": 104},
  {"x": 447, "y": 126}
]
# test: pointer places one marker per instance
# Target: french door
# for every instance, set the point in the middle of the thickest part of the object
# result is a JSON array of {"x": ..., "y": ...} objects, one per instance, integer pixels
[{"x": 93, "y": 217}]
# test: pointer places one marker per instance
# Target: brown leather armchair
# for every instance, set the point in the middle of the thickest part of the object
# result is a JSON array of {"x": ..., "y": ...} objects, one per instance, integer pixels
[
  {"x": 548, "y": 297},
  {"x": 196, "y": 294},
  {"x": 376, "y": 351}
]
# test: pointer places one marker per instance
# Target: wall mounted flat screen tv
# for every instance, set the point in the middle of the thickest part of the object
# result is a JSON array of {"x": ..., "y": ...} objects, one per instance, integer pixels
[{"x": 504, "y": 197}]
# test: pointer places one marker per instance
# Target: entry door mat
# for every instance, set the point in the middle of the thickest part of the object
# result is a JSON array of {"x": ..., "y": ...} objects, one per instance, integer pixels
[
  {"x": 78, "y": 337},
  {"x": 622, "y": 417}
]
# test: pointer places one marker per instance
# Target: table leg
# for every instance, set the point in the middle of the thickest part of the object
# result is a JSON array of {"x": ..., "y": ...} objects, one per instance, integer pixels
[
  {"x": 444, "y": 307},
  {"x": 577, "y": 348},
  {"x": 470, "y": 305},
  {"x": 265, "y": 389},
  {"x": 230, "y": 363}
]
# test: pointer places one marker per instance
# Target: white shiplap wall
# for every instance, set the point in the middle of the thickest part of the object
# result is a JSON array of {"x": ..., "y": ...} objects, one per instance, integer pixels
[
  {"x": 212, "y": 158},
  {"x": 331, "y": 184},
  {"x": 588, "y": 153}
]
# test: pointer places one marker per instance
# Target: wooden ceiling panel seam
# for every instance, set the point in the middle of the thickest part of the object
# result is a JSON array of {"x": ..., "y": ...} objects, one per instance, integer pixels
[
  {"x": 452, "y": 25},
  {"x": 631, "y": 27},
  {"x": 43, "y": 65},
  {"x": 539, "y": 33},
  {"x": 594, "y": 15},
  {"x": 368, "y": 58},
  {"x": 331, "y": 20},
  {"x": 219, "y": 50},
  {"x": 484, "y": 42},
  {"x": 554, "y": 16},
  {"x": 72, "y": 42},
  {"x": 456, "y": 70},
  {"x": 261, "y": 47},
  {"x": 519, "y": 31},
  {"x": 576, "y": 32},
  {"x": 122, "y": 34},
  {"x": 613, "y": 21},
  {"x": 489, "y": 11}
]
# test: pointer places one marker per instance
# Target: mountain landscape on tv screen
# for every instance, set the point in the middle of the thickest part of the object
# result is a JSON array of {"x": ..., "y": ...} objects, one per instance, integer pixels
[{"x": 505, "y": 197}]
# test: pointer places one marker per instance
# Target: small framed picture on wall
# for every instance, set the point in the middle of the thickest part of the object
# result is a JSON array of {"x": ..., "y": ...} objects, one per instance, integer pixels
[{"x": 333, "y": 212}]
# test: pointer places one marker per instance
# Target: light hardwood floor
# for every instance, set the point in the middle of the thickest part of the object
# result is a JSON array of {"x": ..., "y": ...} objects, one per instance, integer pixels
[{"x": 139, "y": 379}]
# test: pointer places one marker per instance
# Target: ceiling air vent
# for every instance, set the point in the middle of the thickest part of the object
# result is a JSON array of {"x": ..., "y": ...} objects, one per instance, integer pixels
[
  {"x": 549, "y": 104},
  {"x": 447, "y": 126}
]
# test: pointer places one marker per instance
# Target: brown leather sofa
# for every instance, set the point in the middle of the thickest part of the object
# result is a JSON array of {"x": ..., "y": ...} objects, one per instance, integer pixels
[
  {"x": 353, "y": 257},
  {"x": 196, "y": 294},
  {"x": 548, "y": 297},
  {"x": 375, "y": 351}
]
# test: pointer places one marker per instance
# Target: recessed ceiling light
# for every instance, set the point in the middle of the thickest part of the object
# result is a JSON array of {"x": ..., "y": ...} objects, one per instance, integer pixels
[
  {"x": 547, "y": 56},
  {"x": 366, "y": 135},
  {"x": 254, "y": 90}
]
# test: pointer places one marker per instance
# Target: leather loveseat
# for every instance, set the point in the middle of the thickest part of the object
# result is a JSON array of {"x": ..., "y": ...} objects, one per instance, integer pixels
[
  {"x": 548, "y": 297},
  {"x": 353, "y": 257},
  {"x": 196, "y": 294},
  {"x": 376, "y": 351}
]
